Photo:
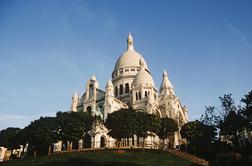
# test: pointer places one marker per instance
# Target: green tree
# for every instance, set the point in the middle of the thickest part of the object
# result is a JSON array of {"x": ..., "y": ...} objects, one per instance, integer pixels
[
  {"x": 6, "y": 135},
  {"x": 232, "y": 123},
  {"x": 246, "y": 111},
  {"x": 210, "y": 117},
  {"x": 198, "y": 135},
  {"x": 227, "y": 119},
  {"x": 41, "y": 133},
  {"x": 147, "y": 124},
  {"x": 20, "y": 138},
  {"x": 167, "y": 127},
  {"x": 227, "y": 104},
  {"x": 121, "y": 124},
  {"x": 72, "y": 125}
]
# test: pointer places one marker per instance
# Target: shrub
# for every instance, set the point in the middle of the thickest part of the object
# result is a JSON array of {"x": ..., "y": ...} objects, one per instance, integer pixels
[{"x": 229, "y": 158}]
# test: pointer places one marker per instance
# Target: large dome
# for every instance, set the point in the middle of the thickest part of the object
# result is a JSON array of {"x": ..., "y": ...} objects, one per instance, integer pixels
[
  {"x": 143, "y": 77},
  {"x": 130, "y": 58}
]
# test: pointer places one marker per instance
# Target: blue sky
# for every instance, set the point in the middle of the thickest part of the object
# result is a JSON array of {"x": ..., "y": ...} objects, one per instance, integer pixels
[{"x": 49, "y": 48}]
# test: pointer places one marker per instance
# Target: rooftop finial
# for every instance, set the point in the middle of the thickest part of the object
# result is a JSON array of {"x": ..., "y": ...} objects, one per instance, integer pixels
[
  {"x": 165, "y": 73},
  {"x": 109, "y": 83},
  {"x": 130, "y": 41},
  {"x": 142, "y": 63}
]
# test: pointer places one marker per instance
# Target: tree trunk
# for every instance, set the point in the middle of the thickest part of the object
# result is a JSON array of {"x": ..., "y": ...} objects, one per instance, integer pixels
[
  {"x": 69, "y": 146},
  {"x": 133, "y": 141},
  {"x": 119, "y": 143},
  {"x": 23, "y": 153},
  {"x": 163, "y": 143},
  {"x": 34, "y": 154},
  {"x": 49, "y": 150},
  {"x": 143, "y": 143}
]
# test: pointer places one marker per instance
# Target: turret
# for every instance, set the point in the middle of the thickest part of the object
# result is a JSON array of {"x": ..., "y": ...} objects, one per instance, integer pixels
[
  {"x": 91, "y": 86},
  {"x": 166, "y": 87},
  {"x": 109, "y": 89},
  {"x": 144, "y": 94},
  {"x": 75, "y": 100},
  {"x": 109, "y": 97}
]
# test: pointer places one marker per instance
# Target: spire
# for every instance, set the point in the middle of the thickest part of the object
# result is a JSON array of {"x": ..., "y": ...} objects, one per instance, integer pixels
[
  {"x": 130, "y": 42},
  {"x": 75, "y": 95},
  {"x": 166, "y": 86},
  {"x": 164, "y": 73},
  {"x": 109, "y": 84},
  {"x": 109, "y": 88}
]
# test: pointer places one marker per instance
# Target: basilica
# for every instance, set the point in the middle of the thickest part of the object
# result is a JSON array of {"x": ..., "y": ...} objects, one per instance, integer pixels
[{"x": 131, "y": 85}]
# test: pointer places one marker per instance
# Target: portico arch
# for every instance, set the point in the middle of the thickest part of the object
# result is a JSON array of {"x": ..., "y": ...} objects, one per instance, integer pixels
[{"x": 103, "y": 142}]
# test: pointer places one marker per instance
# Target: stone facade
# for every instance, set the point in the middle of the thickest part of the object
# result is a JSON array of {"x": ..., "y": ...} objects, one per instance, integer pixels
[{"x": 131, "y": 85}]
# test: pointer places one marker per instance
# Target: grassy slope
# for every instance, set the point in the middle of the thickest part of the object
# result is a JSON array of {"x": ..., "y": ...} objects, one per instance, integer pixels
[{"x": 105, "y": 158}]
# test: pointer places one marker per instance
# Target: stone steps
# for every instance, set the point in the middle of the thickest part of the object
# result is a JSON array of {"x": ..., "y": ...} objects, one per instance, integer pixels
[{"x": 189, "y": 157}]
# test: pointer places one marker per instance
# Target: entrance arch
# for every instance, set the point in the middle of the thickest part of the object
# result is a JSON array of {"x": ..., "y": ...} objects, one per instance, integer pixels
[
  {"x": 86, "y": 141},
  {"x": 103, "y": 142}
]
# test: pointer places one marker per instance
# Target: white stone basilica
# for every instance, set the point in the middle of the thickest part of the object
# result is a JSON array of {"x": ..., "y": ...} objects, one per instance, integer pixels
[{"x": 131, "y": 85}]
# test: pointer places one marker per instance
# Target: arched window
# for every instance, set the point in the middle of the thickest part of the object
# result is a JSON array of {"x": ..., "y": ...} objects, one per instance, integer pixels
[
  {"x": 116, "y": 91},
  {"x": 126, "y": 88},
  {"x": 139, "y": 95},
  {"x": 145, "y": 94},
  {"x": 136, "y": 96},
  {"x": 121, "y": 89},
  {"x": 89, "y": 109},
  {"x": 100, "y": 106}
]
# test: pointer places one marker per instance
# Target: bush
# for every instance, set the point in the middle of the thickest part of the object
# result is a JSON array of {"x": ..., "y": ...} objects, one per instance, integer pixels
[{"x": 229, "y": 158}]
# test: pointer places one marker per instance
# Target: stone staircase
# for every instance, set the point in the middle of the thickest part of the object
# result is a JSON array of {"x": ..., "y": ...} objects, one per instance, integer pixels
[{"x": 189, "y": 157}]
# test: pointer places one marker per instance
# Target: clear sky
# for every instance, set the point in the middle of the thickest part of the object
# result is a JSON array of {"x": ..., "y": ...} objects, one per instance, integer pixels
[{"x": 49, "y": 48}]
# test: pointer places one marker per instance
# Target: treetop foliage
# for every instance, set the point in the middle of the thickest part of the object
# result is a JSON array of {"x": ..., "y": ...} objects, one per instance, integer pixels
[{"x": 167, "y": 127}]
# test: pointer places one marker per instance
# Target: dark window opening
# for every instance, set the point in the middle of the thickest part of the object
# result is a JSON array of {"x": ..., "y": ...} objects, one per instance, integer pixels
[
  {"x": 90, "y": 90},
  {"x": 146, "y": 95},
  {"x": 89, "y": 109},
  {"x": 121, "y": 89},
  {"x": 116, "y": 91},
  {"x": 126, "y": 88}
]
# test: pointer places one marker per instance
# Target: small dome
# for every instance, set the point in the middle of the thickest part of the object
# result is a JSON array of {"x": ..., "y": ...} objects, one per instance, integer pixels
[
  {"x": 130, "y": 58},
  {"x": 143, "y": 77},
  {"x": 93, "y": 78}
]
